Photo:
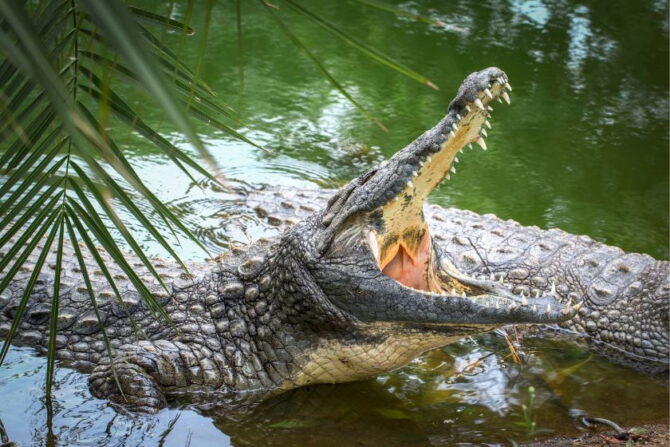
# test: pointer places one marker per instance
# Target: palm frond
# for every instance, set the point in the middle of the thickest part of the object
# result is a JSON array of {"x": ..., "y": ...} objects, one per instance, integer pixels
[
  {"x": 60, "y": 167},
  {"x": 63, "y": 71}
]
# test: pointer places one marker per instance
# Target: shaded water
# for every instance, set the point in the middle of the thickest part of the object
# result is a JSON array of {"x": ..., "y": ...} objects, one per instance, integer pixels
[
  {"x": 583, "y": 147},
  {"x": 465, "y": 394}
]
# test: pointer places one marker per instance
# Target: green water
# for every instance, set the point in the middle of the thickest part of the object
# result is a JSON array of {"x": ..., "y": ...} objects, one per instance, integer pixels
[{"x": 583, "y": 147}]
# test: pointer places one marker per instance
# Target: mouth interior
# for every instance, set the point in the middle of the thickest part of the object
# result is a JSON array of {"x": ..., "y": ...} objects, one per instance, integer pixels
[{"x": 403, "y": 249}]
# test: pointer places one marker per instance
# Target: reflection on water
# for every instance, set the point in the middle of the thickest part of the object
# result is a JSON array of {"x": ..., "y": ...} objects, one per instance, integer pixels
[
  {"x": 582, "y": 147},
  {"x": 468, "y": 393}
]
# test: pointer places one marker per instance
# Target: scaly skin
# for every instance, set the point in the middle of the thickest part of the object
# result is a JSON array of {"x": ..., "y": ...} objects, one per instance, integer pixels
[
  {"x": 354, "y": 290},
  {"x": 626, "y": 295}
]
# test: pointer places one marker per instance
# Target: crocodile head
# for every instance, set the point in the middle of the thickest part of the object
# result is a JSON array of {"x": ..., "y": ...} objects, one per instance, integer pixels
[{"x": 371, "y": 253}]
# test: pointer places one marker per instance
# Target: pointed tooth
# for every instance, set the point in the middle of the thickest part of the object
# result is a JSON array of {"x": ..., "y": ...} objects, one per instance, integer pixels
[
  {"x": 458, "y": 117},
  {"x": 578, "y": 306},
  {"x": 468, "y": 108},
  {"x": 463, "y": 295},
  {"x": 485, "y": 133},
  {"x": 374, "y": 245},
  {"x": 548, "y": 308},
  {"x": 524, "y": 301},
  {"x": 453, "y": 291},
  {"x": 499, "y": 100},
  {"x": 507, "y": 86},
  {"x": 505, "y": 96},
  {"x": 454, "y": 126},
  {"x": 501, "y": 80},
  {"x": 489, "y": 108},
  {"x": 421, "y": 163},
  {"x": 534, "y": 307},
  {"x": 429, "y": 159},
  {"x": 487, "y": 124},
  {"x": 500, "y": 280},
  {"x": 478, "y": 103},
  {"x": 448, "y": 177},
  {"x": 415, "y": 173},
  {"x": 480, "y": 141},
  {"x": 492, "y": 277},
  {"x": 488, "y": 93},
  {"x": 511, "y": 306},
  {"x": 455, "y": 159},
  {"x": 470, "y": 145},
  {"x": 566, "y": 310},
  {"x": 553, "y": 288},
  {"x": 453, "y": 169},
  {"x": 410, "y": 184},
  {"x": 452, "y": 134},
  {"x": 537, "y": 294}
]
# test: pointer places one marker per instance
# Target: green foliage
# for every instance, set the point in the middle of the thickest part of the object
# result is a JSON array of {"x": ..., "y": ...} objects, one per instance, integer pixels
[
  {"x": 69, "y": 71},
  {"x": 528, "y": 422}
]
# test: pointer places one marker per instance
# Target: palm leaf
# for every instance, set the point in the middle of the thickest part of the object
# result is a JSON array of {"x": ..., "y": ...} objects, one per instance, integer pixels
[{"x": 63, "y": 176}]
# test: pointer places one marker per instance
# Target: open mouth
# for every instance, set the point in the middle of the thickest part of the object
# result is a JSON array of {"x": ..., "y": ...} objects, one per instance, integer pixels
[{"x": 400, "y": 240}]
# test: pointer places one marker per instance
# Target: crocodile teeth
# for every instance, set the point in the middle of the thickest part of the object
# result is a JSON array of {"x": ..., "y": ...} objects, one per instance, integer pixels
[
  {"x": 480, "y": 141},
  {"x": 463, "y": 295},
  {"x": 448, "y": 177},
  {"x": 505, "y": 96},
  {"x": 488, "y": 93},
  {"x": 452, "y": 134},
  {"x": 453, "y": 169},
  {"x": 492, "y": 277},
  {"x": 487, "y": 124},
  {"x": 455, "y": 159},
  {"x": 578, "y": 306},
  {"x": 534, "y": 307},
  {"x": 453, "y": 291},
  {"x": 484, "y": 133},
  {"x": 508, "y": 87},
  {"x": 553, "y": 288},
  {"x": 421, "y": 163},
  {"x": 478, "y": 103},
  {"x": 429, "y": 159},
  {"x": 470, "y": 145},
  {"x": 489, "y": 108},
  {"x": 414, "y": 174},
  {"x": 524, "y": 301},
  {"x": 410, "y": 184},
  {"x": 454, "y": 126},
  {"x": 458, "y": 117},
  {"x": 548, "y": 308},
  {"x": 374, "y": 245},
  {"x": 467, "y": 107},
  {"x": 499, "y": 100},
  {"x": 566, "y": 310}
]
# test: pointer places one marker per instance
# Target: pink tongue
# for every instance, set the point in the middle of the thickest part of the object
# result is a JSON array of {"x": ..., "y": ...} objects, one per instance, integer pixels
[{"x": 410, "y": 272}]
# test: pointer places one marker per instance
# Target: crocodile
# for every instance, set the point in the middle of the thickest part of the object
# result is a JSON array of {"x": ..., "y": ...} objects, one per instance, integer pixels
[
  {"x": 359, "y": 287},
  {"x": 625, "y": 312}
]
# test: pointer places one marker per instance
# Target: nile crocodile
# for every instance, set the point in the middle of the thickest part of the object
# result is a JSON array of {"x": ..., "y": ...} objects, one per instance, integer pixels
[{"x": 358, "y": 288}]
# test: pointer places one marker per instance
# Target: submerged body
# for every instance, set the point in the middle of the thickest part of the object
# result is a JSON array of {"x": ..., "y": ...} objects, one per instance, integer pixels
[{"x": 358, "y": 288}]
